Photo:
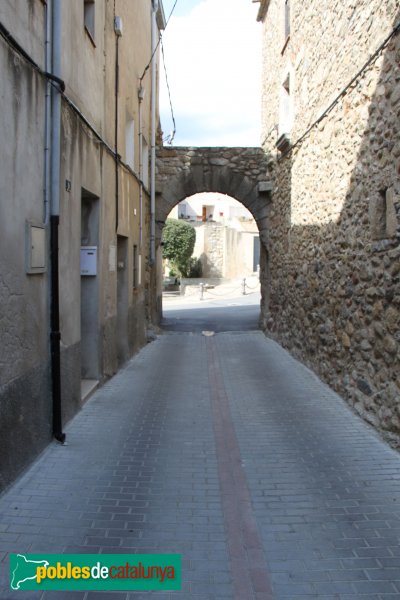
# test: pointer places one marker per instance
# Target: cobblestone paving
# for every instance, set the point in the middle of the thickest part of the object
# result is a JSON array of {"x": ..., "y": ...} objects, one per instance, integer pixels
[{"x": 145, "y": 470}]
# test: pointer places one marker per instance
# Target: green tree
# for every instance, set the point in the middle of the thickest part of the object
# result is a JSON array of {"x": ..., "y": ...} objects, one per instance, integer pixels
[{"x": 178, "y": 239}]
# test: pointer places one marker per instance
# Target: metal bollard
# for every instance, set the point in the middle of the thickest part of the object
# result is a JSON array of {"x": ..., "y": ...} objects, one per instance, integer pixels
[
  {"x": 202, "y": 291},
  {"x": 244, "y": 286}
]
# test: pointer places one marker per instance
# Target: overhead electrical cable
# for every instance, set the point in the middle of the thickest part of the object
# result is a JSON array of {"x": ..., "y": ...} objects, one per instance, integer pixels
[
  {"x": 159, "y": 41},
  {"x": 344, "y": 91},
  {"x": 169, "y": 138}
]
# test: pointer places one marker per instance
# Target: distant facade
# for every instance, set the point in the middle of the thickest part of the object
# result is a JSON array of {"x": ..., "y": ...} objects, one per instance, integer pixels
[
  {"x": 77, "y": 120},
  {"x": 210, "y": 207},
  {"x": 331, "y": 107},
  {"x": 227, "y": 237}
]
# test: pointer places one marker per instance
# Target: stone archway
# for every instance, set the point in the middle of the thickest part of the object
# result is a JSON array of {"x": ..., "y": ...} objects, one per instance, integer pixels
[{"x": 242, "y": 173}]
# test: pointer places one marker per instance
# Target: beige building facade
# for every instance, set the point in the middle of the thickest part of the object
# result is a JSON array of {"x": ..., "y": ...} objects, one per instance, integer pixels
[
  {"x": 80, "y": 116},
  {"x": 331, "y": 107}
]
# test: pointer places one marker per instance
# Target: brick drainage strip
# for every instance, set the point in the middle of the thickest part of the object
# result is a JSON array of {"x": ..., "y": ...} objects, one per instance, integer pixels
[{"x": 248, "y": 564}]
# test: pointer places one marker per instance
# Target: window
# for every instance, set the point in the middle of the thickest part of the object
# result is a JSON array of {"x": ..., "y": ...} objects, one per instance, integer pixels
[
  {"x": 383, "y": 217},
  {"x": 130, "y": 142},
  {"x": 379, "y": 222},
  {"x": 287, "y": 19},
  {"x": 135, "y": 267},
  {"x": 145, "y": 162},
  {"x": 285, "y": 116},
  {"x": 88, "y": 15},
  {"x": 182, "y": 210}
]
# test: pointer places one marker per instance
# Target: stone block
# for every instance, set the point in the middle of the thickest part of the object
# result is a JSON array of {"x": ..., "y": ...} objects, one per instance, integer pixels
[
  {"x": 391, "y": 215},
  {"x": 264, "y": 186}
]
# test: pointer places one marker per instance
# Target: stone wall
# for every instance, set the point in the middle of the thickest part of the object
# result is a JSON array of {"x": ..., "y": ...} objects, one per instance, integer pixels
[
  {"x": 328, "y": 44},
  {"x": 241, "y": 173},
  {"x": 185, "y": 171},
  {"x": 210, "y": 248},
  {"x": 334, "y": 255},
  {"x": 223, "y": 250}
]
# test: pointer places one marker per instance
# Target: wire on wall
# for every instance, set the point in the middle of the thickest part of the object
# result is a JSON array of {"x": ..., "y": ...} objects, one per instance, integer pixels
[
  {"x": 170, "y": 137},
  {"x": 159, "y": 41},
  {"x": 344, "y": 91}
]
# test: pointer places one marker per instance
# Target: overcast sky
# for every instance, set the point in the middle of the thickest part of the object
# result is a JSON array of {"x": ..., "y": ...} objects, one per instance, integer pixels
[{"x": 213, "y": 56}]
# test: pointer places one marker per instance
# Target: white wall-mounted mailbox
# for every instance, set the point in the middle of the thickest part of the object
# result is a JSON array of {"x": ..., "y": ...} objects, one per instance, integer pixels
[{"x": 89, "y": 260}]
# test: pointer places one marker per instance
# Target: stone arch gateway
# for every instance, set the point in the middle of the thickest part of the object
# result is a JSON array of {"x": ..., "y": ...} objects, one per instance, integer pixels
[{"x": 242, "y": 173}]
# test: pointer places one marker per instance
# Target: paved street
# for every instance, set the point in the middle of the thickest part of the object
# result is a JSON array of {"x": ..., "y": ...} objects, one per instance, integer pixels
[
  {"x": 223, "y": 308},
  {"x": 224, "y": 449}
]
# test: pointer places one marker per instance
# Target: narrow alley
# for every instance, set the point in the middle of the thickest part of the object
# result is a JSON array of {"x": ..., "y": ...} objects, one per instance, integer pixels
[
  {"x": 226, "y": 450},
  {"x": 194, "y": 194}
]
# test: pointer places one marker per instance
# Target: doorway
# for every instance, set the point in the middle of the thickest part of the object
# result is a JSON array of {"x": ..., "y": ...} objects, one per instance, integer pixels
[
  {"x": 256, "y": 254},
  {"x": 90, "y": 360},
  {"x": 122, "y": 300}
]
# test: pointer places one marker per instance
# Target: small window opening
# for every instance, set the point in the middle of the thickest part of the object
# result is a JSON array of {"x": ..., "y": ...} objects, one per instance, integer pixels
[
  {"x": 182, "y": 208},
  {"x": 145, "y": 162},
  {"x": 130, "y": 142},
  {"x": 383, "y": 216},
  {"x": 285, "y": 121},
  {"x": 380, "y": 215},
  {"x": 287, "y": 19},
  {"x": 135, "y": 266},
  {"x": 88, "y": 12}
]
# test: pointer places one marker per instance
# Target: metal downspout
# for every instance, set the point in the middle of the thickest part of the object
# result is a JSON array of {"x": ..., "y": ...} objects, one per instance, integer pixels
[
  {"x": 154, "y": 41},
  {"x": 55, "y": 336},
  {"x": 116, "y": 125},
  {"x": 47, "y": 117},
  {"x": 140, "y": 98}
]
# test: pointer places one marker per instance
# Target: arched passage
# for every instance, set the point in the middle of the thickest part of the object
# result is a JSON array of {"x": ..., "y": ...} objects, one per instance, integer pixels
[{"x": 241, "y": 173}]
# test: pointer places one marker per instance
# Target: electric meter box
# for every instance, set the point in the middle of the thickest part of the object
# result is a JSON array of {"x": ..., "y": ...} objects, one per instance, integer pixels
[
  {"x": 35, "y": 243},
  {"x": 89, "y": 260}
]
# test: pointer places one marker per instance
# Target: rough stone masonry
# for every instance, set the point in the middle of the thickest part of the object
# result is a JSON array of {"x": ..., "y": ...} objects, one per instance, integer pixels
[
  {"x": 333, "y": 98},
  {"x": 330, "y": 228},
  {"x": 242, "y": 173}
]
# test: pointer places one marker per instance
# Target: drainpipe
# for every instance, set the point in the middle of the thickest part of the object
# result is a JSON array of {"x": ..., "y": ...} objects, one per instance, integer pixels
[
  {"x": 55, "y": 336},
  {"x": 140, "y": 97},
  {"x": 154, "y": 41},
  {"x": 116, "y": 125},
  {"x": 47, "y": 117}
]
